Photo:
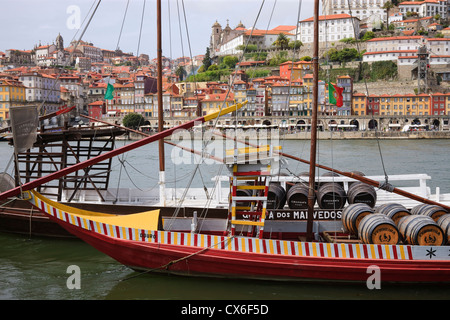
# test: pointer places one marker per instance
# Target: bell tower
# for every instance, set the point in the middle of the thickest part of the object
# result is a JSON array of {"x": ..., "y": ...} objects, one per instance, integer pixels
[
  {"x": 59, "y": 42},
  {"x": 216, "y": 38}
]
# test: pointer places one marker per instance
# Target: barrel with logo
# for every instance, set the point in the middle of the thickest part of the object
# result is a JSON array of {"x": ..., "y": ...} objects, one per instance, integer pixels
[
  {"x": 352, "y": 216},
  {"x": 331, "y": 196},
  {"x": 444, "y": 223},
  {"x": 378, "y": 229},
  {"x": 421, "y": 230},
  {"x": 395, "y": 211},
  {"x": 359, "y": 192},
  {"x": 432, "y": 211},
  {"x": 297, "y": 196},
  {"x": 276, "y": 197}
]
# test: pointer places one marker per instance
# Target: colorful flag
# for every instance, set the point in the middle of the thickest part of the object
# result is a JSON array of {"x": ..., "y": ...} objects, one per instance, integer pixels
[
  {"x": 109, "y": 92},
  {"x": 335, "y": 94}
]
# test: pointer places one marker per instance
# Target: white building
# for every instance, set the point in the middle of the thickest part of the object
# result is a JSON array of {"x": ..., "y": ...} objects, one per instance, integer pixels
[
  {"x": 331, "y": 28},
  {"x": 425, "y": 8},
  {"x": 43, "y": 53},
  {"x": 362, "y": 9},
  {"x": 393, "y": 48},
  {"x": 263, "y": 39},
  {"x": 42, "y": 88}
]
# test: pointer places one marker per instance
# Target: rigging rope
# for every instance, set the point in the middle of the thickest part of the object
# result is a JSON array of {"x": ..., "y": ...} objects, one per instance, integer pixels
[
  {"x": 386, "y": 183},
  {"x": 206, "y": 142}
]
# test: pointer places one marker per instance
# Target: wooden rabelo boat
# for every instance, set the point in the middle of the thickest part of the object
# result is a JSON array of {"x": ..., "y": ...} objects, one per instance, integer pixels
[{"x": 399, "y": 246}]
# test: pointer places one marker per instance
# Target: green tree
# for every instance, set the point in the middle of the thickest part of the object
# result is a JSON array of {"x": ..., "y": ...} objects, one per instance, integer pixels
[
  {"x": 207, "y": 59},
  {"x": 133, "y": 120},
  {"x": 387, "y": 6},
  {"x": 296, "y": 44},
  {"x": 213, "y": 67},
  {"x": 230, "y": 61},
  {"x": 181, "y": 72},
  {"x": 368, "y": 35},
  {"x": 282, "y": 41}
]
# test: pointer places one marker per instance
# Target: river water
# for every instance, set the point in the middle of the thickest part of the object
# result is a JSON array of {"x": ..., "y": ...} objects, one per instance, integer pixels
[{"x": 37, "y": 268}]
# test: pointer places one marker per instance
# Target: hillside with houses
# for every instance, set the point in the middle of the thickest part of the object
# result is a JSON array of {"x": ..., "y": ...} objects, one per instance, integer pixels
[{"x": 399, "y": 51}]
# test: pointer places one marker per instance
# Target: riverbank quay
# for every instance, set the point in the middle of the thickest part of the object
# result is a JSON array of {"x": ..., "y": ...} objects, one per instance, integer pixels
[{"x": 349, "y": 135}]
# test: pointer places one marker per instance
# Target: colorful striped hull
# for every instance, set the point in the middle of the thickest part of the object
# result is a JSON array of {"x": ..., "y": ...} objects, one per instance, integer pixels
[{"x": 253, "y": 257}]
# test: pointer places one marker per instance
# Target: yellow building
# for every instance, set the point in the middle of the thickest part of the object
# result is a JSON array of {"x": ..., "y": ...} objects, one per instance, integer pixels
[
  {"x": 213, "y": 102},
  {"x": 12, "y": 93},
  {"x": 405, "y": 104},
  {"x": 359, "y": 104}
]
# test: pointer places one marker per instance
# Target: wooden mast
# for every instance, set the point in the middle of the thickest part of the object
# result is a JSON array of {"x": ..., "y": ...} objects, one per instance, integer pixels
[
  {"x": 162, "y": 188},
  {"x": 312, "y": 161}
]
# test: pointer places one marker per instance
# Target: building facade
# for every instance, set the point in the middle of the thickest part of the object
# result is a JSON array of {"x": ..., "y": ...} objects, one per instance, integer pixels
[
  {"x": 42, "y": 89},
  {"x": 332, "y": 28}
]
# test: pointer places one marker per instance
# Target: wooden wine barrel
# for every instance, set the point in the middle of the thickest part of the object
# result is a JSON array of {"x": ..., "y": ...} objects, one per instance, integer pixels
[
  {"x": 276, "y": 197},
  {"x": 378, "y": 229},
  {"x": 359, "y": 173},
  {"x": 421, "y": 230},
  {"x": 352, "y": 216},
  {"x": 395, "y": 211},
  {"x": 444, "y": 223},
  {"x": 331, "y": 196},
  {"x": 330, "y": 174},
  {"x": 297, "y": 196},
  {"x": 243, "y": 193},
  {"x": 359, "y": 192},
  {"x": 432, "y": 211}
]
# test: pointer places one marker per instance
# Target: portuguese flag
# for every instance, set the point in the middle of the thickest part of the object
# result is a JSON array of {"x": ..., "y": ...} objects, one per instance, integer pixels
[
  {"x": 335, "y": 94},
  {"x": 109, "y": 92}
]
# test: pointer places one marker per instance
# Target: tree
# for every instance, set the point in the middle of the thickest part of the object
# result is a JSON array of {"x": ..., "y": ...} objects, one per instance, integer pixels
[
  {"x": 296, "y": 44},
  {"x": 133, "y": 120},
  {"x": 207, "y": 59},
  {"x": 230, "y": 61},
  {"x": 368, "y": 35},
  {"x": 282, "y": 41},
  {"x": 387, "y": 6},
  {"x": 180, "y": 72}
]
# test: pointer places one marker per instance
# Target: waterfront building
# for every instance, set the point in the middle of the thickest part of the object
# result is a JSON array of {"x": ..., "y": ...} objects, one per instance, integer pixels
[
  {"x": 437, "y": 105},
  {"x": 373, "y": 104},
  {"x": 240, "y": 95},
  {"x": 213, "y": 102},
  {"x": 345, "y": 82},
  {"x": 139, "y": 91},
  {"x": 12, "y": 93},
  {"x": 42, "y": 89},
  {"x": 96, "y": 110},
  {"x": 359, "y": 104}
]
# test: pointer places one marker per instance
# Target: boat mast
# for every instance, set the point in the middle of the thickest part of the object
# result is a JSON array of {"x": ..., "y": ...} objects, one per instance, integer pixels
[
  {"x": 312, "y": 161},
  {"x": 162, "y": 179}
]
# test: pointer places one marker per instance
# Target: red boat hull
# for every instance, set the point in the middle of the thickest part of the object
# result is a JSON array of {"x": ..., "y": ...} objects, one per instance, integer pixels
[{"x": 198, "y": 261}]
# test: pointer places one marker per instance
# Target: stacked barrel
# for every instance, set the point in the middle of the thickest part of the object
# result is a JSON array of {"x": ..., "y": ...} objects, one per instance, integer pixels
[
  {"x": 331, "y": 195},
  {"x": 392, "y": 224}
]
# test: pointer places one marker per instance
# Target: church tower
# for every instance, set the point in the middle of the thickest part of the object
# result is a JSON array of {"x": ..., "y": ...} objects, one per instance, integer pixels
[
  {"x": 59, "y": 42},
  {"x": 216, "y": 38}
]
